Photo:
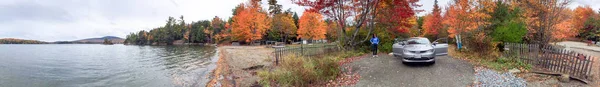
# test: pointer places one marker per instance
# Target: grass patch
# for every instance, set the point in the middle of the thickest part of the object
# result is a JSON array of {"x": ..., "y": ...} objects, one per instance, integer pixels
[
  {"x": 503, "y": 63},
  {"x": 304, "y": 71},
  {"x": 490, "y": 59}
]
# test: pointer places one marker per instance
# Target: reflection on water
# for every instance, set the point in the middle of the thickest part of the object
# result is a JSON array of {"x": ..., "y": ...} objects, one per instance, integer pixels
[{"x": 53, "y": 65}]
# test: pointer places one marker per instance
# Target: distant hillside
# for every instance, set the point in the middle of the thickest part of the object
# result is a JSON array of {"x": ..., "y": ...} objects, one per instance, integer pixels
[
  {"x": 116, "y": 40},
  {"x": 20, "y": 41}
]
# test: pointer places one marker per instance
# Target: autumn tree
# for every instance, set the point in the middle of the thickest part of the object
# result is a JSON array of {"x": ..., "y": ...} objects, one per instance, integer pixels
[
  {"x": 312, "y": 26},
  {"x": 332, "y": 30},
  {"x": 542, "y": 17},
  {"x": 396, "y": 14},
  {"x": 565, "y": 28},
  {"x": 433, "y": 22},
  {"x": 283, "y": 26},
  {"x": 581, "y": 14},
  {"x": 579, "y": 18},
  {"x": 467, "y": 19},
  {"x": 466, "y": 15},
  {"x": 363, "y": 13},
  {"x": 250, "y": 22}
]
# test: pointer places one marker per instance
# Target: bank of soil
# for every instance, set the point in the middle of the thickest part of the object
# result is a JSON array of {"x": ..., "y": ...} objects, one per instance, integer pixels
[{"x": 237, "y": 65}]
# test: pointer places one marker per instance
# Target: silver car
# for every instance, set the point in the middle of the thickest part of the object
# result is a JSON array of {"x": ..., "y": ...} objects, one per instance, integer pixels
[{"x": 419, "y": 49}]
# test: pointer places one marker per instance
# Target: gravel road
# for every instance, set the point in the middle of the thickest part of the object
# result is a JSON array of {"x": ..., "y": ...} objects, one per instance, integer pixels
[
  {"x": 490, "y": 78},
  {"x": 387, "y": 71}
]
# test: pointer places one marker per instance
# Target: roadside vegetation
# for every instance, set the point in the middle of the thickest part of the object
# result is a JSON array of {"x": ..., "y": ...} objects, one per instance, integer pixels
[
  {"x": 305, "y": 71},
  {"x": 492, "y": 59}
]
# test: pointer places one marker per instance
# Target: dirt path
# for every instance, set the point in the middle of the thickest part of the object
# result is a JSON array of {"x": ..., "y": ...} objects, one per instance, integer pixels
[
  {"x": 238, "y": 64},
  {"x": 387, "y": 71}
]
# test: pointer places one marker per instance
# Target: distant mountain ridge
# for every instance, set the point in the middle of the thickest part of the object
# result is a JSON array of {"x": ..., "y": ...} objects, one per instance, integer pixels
[{"x": 113, "y": 39}]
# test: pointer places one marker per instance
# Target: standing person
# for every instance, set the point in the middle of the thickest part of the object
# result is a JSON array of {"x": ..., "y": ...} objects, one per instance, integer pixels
[{"x": 374, "y": 43}]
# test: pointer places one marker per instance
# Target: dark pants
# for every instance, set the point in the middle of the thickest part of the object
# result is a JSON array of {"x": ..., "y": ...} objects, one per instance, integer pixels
[{"x": 374, "y": 49}]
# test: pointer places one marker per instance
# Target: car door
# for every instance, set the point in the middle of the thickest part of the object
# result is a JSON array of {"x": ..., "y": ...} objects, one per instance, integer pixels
[
  {"x": 441, "y": 46},
  {"x": 398, "y": 47}
]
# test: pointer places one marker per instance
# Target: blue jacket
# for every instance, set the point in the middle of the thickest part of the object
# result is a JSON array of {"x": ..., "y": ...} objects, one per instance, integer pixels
[{"x": 375, "y": 40}]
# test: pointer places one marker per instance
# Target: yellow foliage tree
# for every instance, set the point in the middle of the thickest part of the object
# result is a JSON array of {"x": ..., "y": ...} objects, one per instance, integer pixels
[{"x": 284, "y": 24}]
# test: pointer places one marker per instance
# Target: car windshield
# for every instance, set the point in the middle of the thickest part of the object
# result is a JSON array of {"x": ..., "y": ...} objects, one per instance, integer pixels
[{"x": 418, "y": 41}]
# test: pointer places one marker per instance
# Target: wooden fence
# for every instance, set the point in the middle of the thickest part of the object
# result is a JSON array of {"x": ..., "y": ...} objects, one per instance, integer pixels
[
  {"x": 552, "y": 58},
  {"x": 304, "y": 50}
]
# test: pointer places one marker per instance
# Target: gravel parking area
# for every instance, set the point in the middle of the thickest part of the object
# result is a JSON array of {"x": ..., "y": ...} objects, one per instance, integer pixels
[
  {"x": 388, "y": 71},
  {"x": 490, "y": 78}
]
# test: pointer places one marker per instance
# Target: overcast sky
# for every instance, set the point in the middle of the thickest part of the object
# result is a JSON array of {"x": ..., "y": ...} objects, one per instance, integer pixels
[{"x": 65, "y": 20}]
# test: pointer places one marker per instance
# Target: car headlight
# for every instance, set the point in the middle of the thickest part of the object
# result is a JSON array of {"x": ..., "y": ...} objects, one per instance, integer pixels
[{"x": 432, "y": 50}]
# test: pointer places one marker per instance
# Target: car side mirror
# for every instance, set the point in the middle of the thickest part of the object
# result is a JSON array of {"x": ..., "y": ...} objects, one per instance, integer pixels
[{"x": 434, "y": 43}]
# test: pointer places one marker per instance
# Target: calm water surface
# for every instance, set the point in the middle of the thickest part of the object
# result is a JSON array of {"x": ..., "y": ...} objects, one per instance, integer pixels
[{"x": 77, "y": 65}]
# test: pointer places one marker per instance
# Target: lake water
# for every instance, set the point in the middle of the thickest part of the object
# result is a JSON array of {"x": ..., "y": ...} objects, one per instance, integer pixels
[{"x": 85, "y": 65}]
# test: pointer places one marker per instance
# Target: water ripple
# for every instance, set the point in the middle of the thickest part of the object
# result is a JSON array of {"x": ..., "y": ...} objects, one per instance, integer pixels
[{"x": 105, "y": 65}]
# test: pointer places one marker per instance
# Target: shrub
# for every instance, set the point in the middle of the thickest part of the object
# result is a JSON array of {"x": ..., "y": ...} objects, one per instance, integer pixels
[
  {"x": 301, "y": 71},
  {"x": 512, "y": 32}
]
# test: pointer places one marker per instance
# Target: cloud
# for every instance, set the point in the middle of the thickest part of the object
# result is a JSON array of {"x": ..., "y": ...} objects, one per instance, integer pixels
[
  {"x": 427, "y": 6},
  {"x": 60, "y": 20}
]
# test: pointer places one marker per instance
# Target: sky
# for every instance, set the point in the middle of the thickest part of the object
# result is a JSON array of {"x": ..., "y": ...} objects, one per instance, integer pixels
[{"x": 67, "y": 20}]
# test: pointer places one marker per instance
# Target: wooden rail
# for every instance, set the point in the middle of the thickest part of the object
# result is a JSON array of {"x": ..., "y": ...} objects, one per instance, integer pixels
[{"x": 303, "y": 50}]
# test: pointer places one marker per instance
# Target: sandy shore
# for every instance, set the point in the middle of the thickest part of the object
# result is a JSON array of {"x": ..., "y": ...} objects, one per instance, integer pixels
[{"x": 237, "y": 65}]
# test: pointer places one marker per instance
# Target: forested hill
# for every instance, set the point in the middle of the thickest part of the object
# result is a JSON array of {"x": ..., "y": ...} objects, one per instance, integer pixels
[
  {"x": 20, "y": 41},
  {"x": 100, "y": 40}
]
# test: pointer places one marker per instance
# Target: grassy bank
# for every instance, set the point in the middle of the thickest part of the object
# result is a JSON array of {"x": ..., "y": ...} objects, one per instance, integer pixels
[
  {"x": 305, "y": 71},
  {"x": 490, "y": 59}
]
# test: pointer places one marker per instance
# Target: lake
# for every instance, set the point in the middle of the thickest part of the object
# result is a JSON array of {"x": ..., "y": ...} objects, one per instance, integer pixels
[{"x": 77, "y": 65}]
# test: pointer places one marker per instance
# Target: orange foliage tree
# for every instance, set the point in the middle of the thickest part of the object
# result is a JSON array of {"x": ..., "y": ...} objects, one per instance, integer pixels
[
  {"x": 312, "y": 26},
  {"x": 469, "y": 18},
  {"x": 565, "y": 29},
  {"x": 542, "y": 17},
  {"x": 433, "y": 22},
  {"x": 250, "y": 22},
  {"x": 467, "y": 15},
  {"x": 581, "y": 14}
]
